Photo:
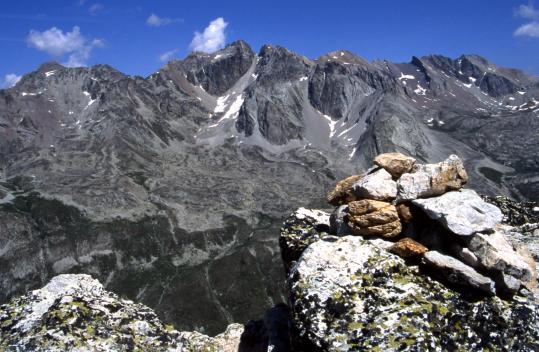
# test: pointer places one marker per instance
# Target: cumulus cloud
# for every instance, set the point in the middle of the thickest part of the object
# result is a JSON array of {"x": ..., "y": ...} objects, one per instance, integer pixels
[
  {"x": 10, "y": 80},
  {"x": 57, "y": 44},
  {"x": 527, "y": 11},
  {"x": 530, "y": 29},
  {"x": 168, "y": 55},
  {"x": 212, "y": 39},
  {"x": 156, "y": 21}
]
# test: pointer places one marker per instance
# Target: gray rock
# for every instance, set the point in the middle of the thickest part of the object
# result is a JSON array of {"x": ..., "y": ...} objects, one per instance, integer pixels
[
  {"x": 412, "y": 186},
  {"x": 351, "y": 294},
  {"x": 338, "y": 226},
  {"x": 75, "y": 313},
  {"x": 496, "y": 254},
  {"x": 461, "y": 212},
  {"x": 432, "y": 179},
  {"x": 457, "y": 272},
  {"x": 377, "y": 185}
]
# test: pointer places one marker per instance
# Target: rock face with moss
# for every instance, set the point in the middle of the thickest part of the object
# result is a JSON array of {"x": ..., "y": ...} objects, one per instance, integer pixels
[
  {"x": 349, "y": 293},
  {"x": 75, "y": 313}
]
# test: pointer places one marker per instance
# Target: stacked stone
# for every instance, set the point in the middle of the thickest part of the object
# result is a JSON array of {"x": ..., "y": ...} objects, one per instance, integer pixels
[{"x": 423, "y": 209}]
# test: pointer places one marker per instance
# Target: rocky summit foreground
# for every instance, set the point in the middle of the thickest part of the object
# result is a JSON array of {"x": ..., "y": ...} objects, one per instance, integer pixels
[{"x": 410, "y": 261}]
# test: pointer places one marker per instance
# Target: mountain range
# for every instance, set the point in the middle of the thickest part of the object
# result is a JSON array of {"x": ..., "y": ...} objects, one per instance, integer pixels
[{"x": 170, "y": 189}]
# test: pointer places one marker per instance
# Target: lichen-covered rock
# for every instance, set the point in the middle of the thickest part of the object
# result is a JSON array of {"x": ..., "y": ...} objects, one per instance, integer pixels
[
  {"x": 75, "y": 313},
  {"x": 461, "y": 212},
  {"x": 342, "y": 193},
  {"x": 395, "y": 163},
  {"x": 373, "y": 218},
  {"x": 432, "y": 179},
  {"x": 408, "y": 248},
  {"x": 302, "y": 228},
  {"x": 377, "y": 185},
  {"x": 457, "y": 272},
  {"x": 348, "y": 294}
]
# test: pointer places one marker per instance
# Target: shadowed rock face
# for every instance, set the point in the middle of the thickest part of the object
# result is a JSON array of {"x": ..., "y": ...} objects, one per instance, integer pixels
[{"x": 167, "y": 188}]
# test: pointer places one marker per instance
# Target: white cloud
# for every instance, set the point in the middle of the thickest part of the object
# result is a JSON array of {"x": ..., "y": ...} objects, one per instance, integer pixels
[
  {"x": 156, "y": 21},
  {"x": 212, "y": 39},
  {"x": 529, "y": 30},
  {"x": 10, "y": 80},
  {"x": 95, "y": 8},
  {"x": 168, "y": 55},
  {"x": 527, "y": 11},
  {"x": 57, "y": 43}
]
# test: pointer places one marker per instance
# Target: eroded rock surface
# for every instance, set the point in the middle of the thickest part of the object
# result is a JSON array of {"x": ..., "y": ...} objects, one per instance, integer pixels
[
  {"x": 377, "y": 185},
  {"x": 75, "y": 313},
  {"x": 373, "y": 218},
  {"x": 463, "y": 213},
  {"x": 432, "y": 179},
  {"x": 395, "y": 163},
  {"x": 350, "y": 294}
]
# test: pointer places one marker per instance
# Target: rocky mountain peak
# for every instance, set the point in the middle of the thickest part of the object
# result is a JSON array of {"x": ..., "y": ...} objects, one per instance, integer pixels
[
  {"x": 50, "y": 66},
  {"x": 219, "y": 71}
]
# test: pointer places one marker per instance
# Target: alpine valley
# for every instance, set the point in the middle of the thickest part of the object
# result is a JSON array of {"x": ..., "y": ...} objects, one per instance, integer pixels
[{"x": 171, "y": 189}]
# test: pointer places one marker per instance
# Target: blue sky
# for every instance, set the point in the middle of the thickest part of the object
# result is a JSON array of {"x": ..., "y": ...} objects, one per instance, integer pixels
[{"x": 135, "y": 36}]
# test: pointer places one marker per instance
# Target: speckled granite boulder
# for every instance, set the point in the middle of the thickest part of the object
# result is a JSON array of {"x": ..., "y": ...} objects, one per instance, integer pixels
[
  {"x": 75, "y": 313},
  {"x": 348, "y": 294}
]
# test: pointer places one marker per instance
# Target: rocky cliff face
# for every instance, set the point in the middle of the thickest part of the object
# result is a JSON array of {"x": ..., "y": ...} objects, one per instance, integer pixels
[{"x": 172, "y": 186}]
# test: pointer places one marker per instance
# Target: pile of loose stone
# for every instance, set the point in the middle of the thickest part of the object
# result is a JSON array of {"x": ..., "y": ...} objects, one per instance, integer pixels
[{"x": 423, "y": 213}]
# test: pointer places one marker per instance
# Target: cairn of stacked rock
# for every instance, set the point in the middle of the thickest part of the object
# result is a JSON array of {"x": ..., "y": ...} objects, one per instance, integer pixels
[{"x": 425, "y": 211}]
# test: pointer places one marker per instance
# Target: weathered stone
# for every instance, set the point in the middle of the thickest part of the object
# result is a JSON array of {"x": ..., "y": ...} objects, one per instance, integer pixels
[
  {"x": 461, "y": 212},
  {"x": 408, "y": 248},
  {"x": 373, "y": 218},
  {"x": 75, "y": 313},
  {"x": 300, "y": 229},
  {"x": 405, "y": 213},
  {"x": 395, "y": 163},
  {"x": 432, "y": 179},
  {"x": 465, "y": 255},
  {"x": 457, "y": 272},
  {"x": 342, "y": 193},
  {"x": 337, "y": 223},
  {"x": 496, "y": 254},
  {"x": 351, "y": 295},
  {"x": 377, "y": 185}
]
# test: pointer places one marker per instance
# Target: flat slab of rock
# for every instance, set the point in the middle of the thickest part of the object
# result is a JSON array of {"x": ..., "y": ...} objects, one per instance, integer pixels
[
  {"x": 395, "y": 163},
  {"x": 457, "y": 272},
  {"x": 378, "y": 185},
  {"x": 461, "y": 212},
  {"x": 432, "y": 179},
  {"x": 368, "y": 217}
]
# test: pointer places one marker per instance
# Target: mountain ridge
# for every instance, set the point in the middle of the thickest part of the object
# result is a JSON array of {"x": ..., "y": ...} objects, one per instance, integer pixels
[{"x": 209, "y": 154}]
